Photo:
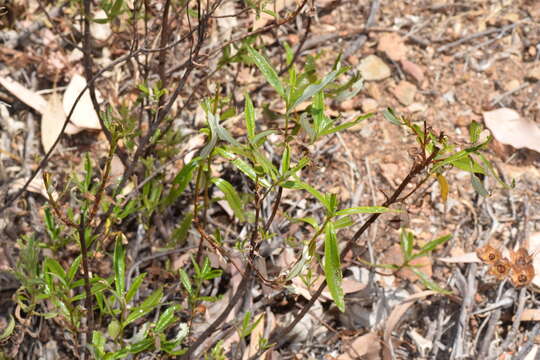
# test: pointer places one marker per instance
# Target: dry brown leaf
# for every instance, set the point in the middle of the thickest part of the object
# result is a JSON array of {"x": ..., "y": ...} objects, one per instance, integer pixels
[
  {"x": 367, "y": 345},
  {"x": 52, "y": 122},
  {"x": 397, "y": 315},
  {"x": 510, "y": 128},
  {"x": 84, "y": 116},
  {"x": 255, "y": 336},
  {"x": 30, "y": 98}
]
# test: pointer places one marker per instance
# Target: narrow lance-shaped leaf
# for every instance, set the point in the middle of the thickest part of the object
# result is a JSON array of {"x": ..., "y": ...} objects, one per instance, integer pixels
[
  {"x": 443, "y": 184},
  {"x": 366, "y": 210},
  {"x": 430, "y": 246},
  {"x": 315, "y": 88},
  {"x": 231, "y": 196},
  {"x": 250, "y": 118},
  {"x": 269, "y": 73},
  {"x": 119, "y": 266},
  {"x": 332, "y": 267}
]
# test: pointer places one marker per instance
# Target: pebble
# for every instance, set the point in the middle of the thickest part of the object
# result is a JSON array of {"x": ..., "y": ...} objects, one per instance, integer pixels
[
  {"x": 535, "y": 73},
  {"x": 393, "y": 46},
  {"x": 369, "y": 105},
  {"x": 373, "y": 68},
  {"x": 511, "y": 85},
  {"x": 413, "y": 69},
  {"x": 405, "y": 92}
]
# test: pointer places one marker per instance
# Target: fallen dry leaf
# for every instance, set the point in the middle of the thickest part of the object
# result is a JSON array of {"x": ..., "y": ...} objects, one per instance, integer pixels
[
  {"x": 30, "y": 98},
  {"x": 397, "y": 315},
  {"x": 52, "y": 122},
  {"x": 510, "y": 128},
  {"x": 84, "y": 115},
  {"x": 533, "y": 245},
  {"x": 367, "y": 345},
  {"x": 470, "y": 257},
  {"x": 530, "y": 315}
]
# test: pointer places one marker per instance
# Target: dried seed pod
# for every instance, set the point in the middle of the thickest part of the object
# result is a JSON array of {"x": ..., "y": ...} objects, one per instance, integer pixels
[
  {"x": 500, "y": 269},
  {"x": 489, "y": 255}
]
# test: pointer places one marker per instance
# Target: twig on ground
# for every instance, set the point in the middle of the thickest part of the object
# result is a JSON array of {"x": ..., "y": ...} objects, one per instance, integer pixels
[{"x": 476, "y": 36}]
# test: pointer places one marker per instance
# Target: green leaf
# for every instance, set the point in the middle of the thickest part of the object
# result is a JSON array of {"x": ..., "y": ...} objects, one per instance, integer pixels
[
  {"x": 459, "y": 155},
  {"x": 53, "y": 267},
  {"x": 166, "y": 318},
  {"x": 406, "y": 242},
  {"x": 474, "y": 131},
  {"x": 478, "y": 186},
  {"x": 114, "y": 328},
  {"x": 134, "y": 287},
  {"x": 115, "y": 9},
  {"x": 315, "y": 88},
  {"x": 316, "y": 193},
  {"x": 429, "y": 283},
  {"x": 468, "y": 164},
  {"x": 343, "y": 222},
  {"x": 180, "y": 182},
  {"x": 231, "y": 196},
  {"x": 366, "y": 210},
  {"x": 346, "y": 125},
  {"x": 119, "y": 266},
  {"x": 430, "y": 246},
  {"x": 332, "y": 267},
  {"x": 186, "y": 282},
  {"x": 250, "y": 118},
  {"x": 73, "y": 268},
  {"x": 260, "y": 138},
  {"x": 9, "y": 329},
  {"x": 269, "y": 73},
  {"x": 180, "y": 233},
  {"x": 148, "y": 305},
  {"x": 285, "y": 159},
  {"x": 390, "y": 115},
  {"x": 250, "y": 172}
]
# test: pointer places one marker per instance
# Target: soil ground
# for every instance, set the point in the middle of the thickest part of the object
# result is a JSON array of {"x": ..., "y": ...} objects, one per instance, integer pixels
[{"x": 449, "y": 64}]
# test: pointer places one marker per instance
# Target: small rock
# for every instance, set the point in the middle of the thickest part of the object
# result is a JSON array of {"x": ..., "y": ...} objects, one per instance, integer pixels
[
  {"x": 374, "y": 91},
  {"x": 449, "y": 97},
  {"x": 373, "y": 68},
  {"x": 369, "y": 105},
  {"x": 347, "y": 105},
  {"x": 416, "y": 107},
  {"x": 393, "y": 46},
  {"x": 535, "y": 73},
  {"x": 511, "y": 85},
  {"x": 353, "y": 60},
  {"x": 413, "y": 69},
  {"x": 405, "y": 92}
]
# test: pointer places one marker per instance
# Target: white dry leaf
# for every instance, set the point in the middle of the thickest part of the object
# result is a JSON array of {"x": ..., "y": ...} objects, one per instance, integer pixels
[
  {"x": 36, "y": 186},
  {"x": 29, "y": 97},
  {"x": 226, "y": 23},
  {"x": 84, "y": 116},
  {"x": 100, "y": 31},
  {"x": 532, "y": 354},
  {"x": 508, "y": 127},
  {"x": 52, "y": 122},
  {"x": 533, "y": 246},
  {"x": 470, "y": 257}
]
